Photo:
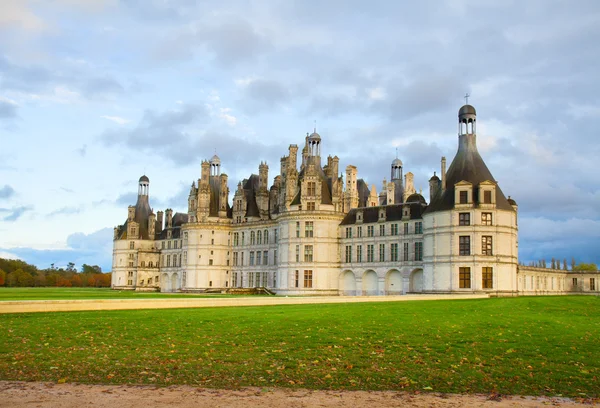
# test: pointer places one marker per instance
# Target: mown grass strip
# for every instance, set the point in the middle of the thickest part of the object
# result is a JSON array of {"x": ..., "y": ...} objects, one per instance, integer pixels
[{"x": 533, "y": 346}]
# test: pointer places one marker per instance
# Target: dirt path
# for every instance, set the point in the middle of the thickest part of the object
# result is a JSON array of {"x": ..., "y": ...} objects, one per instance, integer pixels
[{"x": 48, "y": 395}]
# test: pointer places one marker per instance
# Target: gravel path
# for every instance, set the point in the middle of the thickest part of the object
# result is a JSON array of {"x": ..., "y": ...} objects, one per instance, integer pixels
[{"x": 48, "y": 395}]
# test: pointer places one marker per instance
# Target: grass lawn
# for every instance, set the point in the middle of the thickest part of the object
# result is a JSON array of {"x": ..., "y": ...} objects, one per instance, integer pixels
[
  {"x": 88, "y": 293},
  {"x": 528, "y": 345}
]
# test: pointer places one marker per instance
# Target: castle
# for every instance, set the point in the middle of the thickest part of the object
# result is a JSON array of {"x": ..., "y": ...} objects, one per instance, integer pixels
[{"x": 316, "y": 232}]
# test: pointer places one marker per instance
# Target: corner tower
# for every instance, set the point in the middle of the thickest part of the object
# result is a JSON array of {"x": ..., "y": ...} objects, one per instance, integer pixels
[{"x": 470, "y": 228}]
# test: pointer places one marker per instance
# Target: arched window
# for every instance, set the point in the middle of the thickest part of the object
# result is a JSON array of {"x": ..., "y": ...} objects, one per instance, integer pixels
[
  {"x": 259, "y": 237},
  {"x": 252, "y": 238},
  {"x": 266, "y": 236}
]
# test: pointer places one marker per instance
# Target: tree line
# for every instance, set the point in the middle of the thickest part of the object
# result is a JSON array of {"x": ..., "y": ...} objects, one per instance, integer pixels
[
  {"x": 18, "y": 273},
  {"x": 555, "y": 263}
]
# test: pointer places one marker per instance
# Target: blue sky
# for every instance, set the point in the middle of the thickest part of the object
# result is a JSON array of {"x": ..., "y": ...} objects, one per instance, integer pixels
[{"x": 95, "y": 93}]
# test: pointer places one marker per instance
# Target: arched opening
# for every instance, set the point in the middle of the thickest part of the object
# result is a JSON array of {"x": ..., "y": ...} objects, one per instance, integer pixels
[
  {"x": 165, "y": 283},
  {"x": 347, "y": 283},
  {"x": 393, "y": 283},
  {"x": 416, "y": 281},
  {"x": 370, "y": 284},
  {"x": 174, "y": 282}
]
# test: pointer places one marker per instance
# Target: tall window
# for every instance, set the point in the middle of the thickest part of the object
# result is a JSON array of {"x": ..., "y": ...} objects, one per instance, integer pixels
[
  {"x": 258, "y": 257},
  {"x": 310, "y": 206},
  {"x": 463, "y": 197},
  {"x": 348, "y": 232},
  {"x": 266, "y": 236},
  {"x": 405, "y": 256},
  {"x": 168, "y": 260},
  {"x": 274, "y": 257},
  {"x": 297, "y": 229},
  {"x": 486, "y": 245},
  {"x": 308, "y": 278},
  {"x": 312, "y": 188},
  {"x": 359, "y": 232},
  {"x": 265, "y": 257},
  {"x": 487, "y": 275},
  {"x": 418, "y": 251},
  {"x": 235, "y": 259},
  {"x": 370, "y": 253},
  {"x": 486, "y": 218},
  {"x": 394, "y": 252},
  {"x": 252, "y": 238},
  {"x": 348, "y": 253},
  {"x": 308, "y": 253},
  {"x": 382, "y": 230},
  {"x": 381, "y": 252},
  {"x": 464, "y": 219},
  {"x": 487, "y": 197},
  {"x": 296, "y": 279},
  {"x": 464, "y": 245},
  {"x": 297, "y": 253},
  {"x": 132, "y": 245},
  {"x": 242, "y": 259},
  {"x": 243, "y": 238},
  {"x": 418, "y": 227},
  {"x": 592, "y": 283},
  {"x": 370, "y": 231},
  {"x": 359, "y": 253},
  {"x": 406, "y": 228},
  {"x": 276, "y": 237},
  {"x": 259, "y": 237},
  {"x": 251, "y": 258},
  {"x": 308, "y": 229},
  {"x": 464, "y": 278},
  {"x": 394, "y": 229}
]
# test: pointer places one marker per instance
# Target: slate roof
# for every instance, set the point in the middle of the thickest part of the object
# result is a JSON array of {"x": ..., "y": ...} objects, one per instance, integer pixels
[
  {"x": 468, "y": 166},
  {"x": 392, "y": 213},
  {"x": 142, "y": 212}
]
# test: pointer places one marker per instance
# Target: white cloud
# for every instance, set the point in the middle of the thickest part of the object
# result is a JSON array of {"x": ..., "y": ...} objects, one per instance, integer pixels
[
  {"x": 117, "y": 119},
  {"x": 17, "y": 14},
  {"x": 377, "y": 94},
  {"x": 8, "y": 255},
  {"x": 227, "y": 117}
]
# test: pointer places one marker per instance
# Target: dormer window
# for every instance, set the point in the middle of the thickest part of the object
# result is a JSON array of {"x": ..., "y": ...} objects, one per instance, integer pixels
[
  {"x": 487, "y": 193},
  {"x": 382, "y": 214},
  {"x": 463, "y": 194}
]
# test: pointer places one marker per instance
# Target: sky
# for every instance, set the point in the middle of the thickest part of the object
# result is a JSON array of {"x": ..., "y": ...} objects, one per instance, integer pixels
[{"x": 95, "y": 93}]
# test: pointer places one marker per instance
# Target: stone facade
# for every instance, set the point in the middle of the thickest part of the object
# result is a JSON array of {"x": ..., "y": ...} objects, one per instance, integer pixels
[{"x": 316, "y": 232}]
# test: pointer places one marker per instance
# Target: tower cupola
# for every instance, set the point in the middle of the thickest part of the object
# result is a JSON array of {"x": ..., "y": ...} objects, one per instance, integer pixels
[
  {"x": 144, "y": 186},
  {"x": 397, "y": 169},
  {"x": 467, "y": 118},
  {"x": 215, "y": 166}
]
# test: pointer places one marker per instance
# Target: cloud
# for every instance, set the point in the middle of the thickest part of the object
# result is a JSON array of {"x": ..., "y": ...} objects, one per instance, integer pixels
[
  {"x": 260, "y": 94},
  {"x": 14, "y": 213},
  {"x": 126, "y": 199},
  {"x": 8, "y": 255},
  {"x": 8, "y": 108},
  {"x": 6, "y": 192},
  {"x": 92, "y": 249},
  {"x": 17, "y": 14},
  {"x": 117, "y": 119},
  {"x": 65, "y": 211}
]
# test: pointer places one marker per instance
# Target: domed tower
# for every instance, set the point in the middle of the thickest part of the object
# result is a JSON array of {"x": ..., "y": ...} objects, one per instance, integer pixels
[{"x": 144, "y": 186}]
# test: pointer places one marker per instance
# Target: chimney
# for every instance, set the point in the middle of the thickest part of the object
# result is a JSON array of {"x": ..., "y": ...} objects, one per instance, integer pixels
[{"x": 443, "y": 173}]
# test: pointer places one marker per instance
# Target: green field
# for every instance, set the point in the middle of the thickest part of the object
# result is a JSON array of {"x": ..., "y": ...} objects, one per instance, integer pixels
[
  {"x": 529, "y": 345},
  {"x": 87, "y": 293}
]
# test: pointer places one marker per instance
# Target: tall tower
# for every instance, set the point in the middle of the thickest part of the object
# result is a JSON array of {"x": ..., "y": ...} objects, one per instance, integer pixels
[
  {"x": 396, "y": 179},
  {"x": 470, "y": 228}
]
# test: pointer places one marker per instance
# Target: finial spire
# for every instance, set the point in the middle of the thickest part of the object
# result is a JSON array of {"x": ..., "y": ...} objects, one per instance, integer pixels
[
  {"x": 467, "y": 98},
  {"x": 315, "y": 126}
]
